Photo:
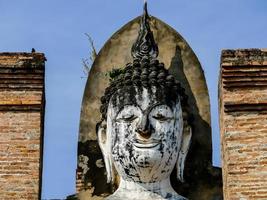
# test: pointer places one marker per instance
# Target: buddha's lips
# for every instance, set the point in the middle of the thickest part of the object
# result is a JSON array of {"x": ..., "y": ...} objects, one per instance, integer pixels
[{"x": 145, "y": 144}]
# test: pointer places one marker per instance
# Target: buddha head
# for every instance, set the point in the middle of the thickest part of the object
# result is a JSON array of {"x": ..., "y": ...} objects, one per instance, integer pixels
[{"x": 144, "y": 131}]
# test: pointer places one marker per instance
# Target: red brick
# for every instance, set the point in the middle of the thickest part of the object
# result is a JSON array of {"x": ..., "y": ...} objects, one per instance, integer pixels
[
  {"x": 21, "y": 125},
  {"x": 243, "y": 123}
]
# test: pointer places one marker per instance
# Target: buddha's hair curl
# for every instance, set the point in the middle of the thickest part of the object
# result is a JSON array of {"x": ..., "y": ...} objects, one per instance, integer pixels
[{"x": 146, "y": 73}]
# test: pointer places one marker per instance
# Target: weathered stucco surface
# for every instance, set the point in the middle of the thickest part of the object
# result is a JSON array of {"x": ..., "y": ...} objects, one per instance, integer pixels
[{"x": 203, "y": 181}]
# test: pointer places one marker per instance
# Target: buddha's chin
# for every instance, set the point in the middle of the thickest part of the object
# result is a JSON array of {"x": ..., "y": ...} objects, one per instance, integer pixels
[{"x": 148, "y": 158}]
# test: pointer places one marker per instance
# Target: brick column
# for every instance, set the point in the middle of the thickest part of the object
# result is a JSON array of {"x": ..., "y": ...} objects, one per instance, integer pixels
[
  {"x": 21, "y": 125},
  {"x": 243, "y": 123}
]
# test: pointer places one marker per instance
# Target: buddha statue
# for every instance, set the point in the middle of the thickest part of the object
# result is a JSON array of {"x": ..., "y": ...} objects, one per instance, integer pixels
[{"x": 145, "y": 131}]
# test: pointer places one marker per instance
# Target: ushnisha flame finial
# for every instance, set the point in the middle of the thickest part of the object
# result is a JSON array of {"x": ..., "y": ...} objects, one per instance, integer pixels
[{"x": 145, "y": 45}]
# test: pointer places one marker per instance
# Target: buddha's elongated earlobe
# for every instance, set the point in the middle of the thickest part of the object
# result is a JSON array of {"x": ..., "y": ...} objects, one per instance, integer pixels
[
  {"x": 105, "y": 149},
  {"x": 186, "y": 140}
]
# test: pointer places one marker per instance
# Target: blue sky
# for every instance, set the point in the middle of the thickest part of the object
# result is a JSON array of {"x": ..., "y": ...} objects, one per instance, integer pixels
[{"x": 57, "y": 27}]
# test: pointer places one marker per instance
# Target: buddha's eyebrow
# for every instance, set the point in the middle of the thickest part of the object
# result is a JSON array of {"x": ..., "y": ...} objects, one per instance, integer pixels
[
  {"x": 123, "y": 107},
  {"x": 155, "y": 105},
  {"x": 147, "y": 110}
]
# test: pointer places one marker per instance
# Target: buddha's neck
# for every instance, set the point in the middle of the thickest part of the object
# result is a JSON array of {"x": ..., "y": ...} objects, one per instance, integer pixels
[
  {"x": 157, "y": 186},
  {"x": 134, "y": 190}
]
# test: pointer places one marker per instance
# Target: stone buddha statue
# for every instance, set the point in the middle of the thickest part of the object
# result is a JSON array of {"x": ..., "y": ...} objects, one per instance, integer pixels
[{"x": 145, "y": 131}]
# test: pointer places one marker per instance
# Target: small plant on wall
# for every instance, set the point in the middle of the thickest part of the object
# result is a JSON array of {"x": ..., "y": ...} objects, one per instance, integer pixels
[{"x": 87, "y": 62}]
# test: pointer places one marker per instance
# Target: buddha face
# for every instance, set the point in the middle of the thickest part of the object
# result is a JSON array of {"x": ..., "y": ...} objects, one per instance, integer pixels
[{"x": 145, "y": 136}]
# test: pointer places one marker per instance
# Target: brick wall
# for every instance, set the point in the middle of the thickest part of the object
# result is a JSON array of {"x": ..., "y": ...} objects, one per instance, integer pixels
[
  {"x": 243, "y": 123},
  {"x": 21, "y": 125}
]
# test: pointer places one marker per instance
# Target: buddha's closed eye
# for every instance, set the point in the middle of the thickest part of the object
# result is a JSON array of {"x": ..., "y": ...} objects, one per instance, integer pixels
[
  {"x": 128, "y": 114},
  {"x": 127, "y": 118},
  {"x": 162, "y": 118},
  {"x": 161, "y": 113}
]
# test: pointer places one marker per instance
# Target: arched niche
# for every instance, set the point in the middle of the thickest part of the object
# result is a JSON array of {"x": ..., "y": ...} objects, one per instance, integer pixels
[{"x": 202, "y": 180}]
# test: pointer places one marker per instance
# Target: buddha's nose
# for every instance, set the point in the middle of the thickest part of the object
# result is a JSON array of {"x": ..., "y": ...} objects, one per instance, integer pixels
[{"x": 144, "y": 128}]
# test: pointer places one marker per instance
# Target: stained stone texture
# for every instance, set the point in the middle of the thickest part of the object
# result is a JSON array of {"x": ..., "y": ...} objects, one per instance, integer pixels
[
  {"x": 243, "y": 123},
  {"x": 202, "y": 180},
  {"x": 21, "y": 125}
]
